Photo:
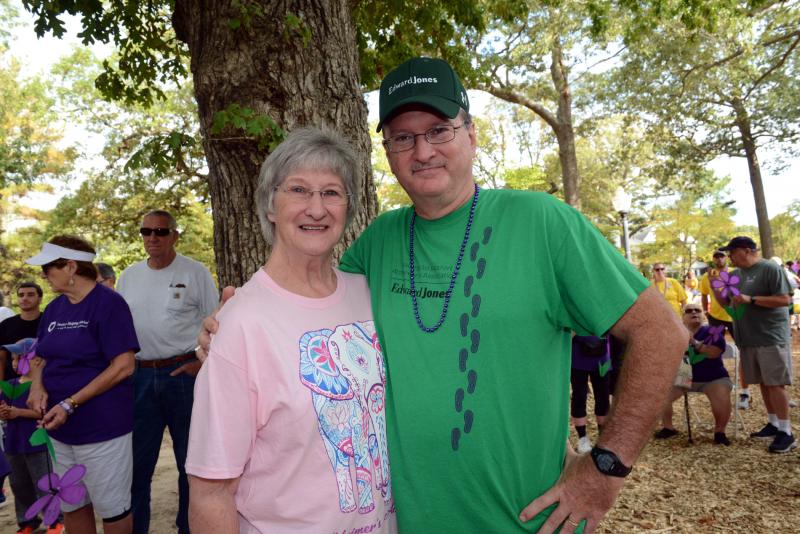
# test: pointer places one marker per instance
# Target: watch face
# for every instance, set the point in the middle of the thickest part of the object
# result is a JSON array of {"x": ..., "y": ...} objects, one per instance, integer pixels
[{"x": 605, "y": 462}]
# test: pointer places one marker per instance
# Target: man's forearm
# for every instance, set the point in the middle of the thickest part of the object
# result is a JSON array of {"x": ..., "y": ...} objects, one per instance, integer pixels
[
  {"x": 655, "y": 341},
  {"x": 771, "y": 301}
]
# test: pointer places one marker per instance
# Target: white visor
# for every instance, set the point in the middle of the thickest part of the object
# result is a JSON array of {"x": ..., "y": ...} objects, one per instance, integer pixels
[{"x": 51, "y": 252}]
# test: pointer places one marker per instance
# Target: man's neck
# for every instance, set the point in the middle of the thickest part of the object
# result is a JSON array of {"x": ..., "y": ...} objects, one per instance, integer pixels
[
  {"x": 750, "y": 261},
  {"x": 30, "y": 315},
  {"x": 161, "y": 262},
  {"x": 437, "y": 207}
]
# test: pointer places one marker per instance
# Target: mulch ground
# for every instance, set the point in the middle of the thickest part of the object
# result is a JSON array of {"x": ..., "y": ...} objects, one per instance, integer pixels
[
  {"x": 702, "y": 487},
  {"x": 675, "y": 487}
]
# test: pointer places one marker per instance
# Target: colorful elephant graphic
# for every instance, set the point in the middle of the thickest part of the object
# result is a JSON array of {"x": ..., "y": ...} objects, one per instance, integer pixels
[{"x": 343, "y": 368}]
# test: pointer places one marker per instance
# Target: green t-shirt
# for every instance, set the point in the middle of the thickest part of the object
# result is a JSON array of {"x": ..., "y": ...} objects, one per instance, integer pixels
[
  {"x": 478, "y": 411},
  {"x": 759, "y": 326}
]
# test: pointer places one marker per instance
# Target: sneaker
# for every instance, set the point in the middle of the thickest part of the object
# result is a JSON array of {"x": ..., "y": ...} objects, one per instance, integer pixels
[
  {"x": 721, "y": 439},
  {"x": 666, "y": 433},
  {"x": 584, "y": 445},
  {"x": 26, "y": 530},
  {"x": 783, "y": 443},
  {"x": 768, "y": 432},
  {"x": 744, "y": 402},
  {"x": 56, "y": 528}
]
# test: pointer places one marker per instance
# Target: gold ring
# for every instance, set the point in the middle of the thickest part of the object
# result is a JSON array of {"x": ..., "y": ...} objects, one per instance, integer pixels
[{"x": 573, "y": 523}]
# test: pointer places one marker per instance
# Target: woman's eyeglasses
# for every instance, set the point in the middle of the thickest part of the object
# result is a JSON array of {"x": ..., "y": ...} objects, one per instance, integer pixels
[
  {"x": 160, "y": 232},
  {"x": 57, "y": 264}
]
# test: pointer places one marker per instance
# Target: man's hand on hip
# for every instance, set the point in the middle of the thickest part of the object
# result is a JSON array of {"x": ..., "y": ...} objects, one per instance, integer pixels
[
  {"x": 583, "y": 494},
  {"x": 191, "y": 368}
]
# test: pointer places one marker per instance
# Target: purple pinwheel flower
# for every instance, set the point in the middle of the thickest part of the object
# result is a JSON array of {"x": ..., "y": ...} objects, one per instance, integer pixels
[
  {"x": 726, "y": 284},
  {"x": 66, "y": 488},
  {"x": 714, "y": 334}
]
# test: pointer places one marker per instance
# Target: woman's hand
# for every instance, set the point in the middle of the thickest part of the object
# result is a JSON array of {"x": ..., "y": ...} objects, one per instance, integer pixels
[
  {"x": 56, "y": 417},
  {"x": 37, "y": 398}
]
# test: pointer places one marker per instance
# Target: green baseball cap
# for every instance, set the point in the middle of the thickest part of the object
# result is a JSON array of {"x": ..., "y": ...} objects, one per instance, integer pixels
[{"x": 422, "y": 80}]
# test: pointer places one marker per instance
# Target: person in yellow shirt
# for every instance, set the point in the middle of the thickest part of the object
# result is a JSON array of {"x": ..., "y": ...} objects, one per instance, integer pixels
[
  {"x": 690, "y": 284},
  {"x": 671, "y": 289}
]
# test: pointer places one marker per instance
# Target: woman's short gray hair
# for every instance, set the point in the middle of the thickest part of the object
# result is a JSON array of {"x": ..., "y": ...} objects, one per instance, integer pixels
[{"x": 306, "y": 148}]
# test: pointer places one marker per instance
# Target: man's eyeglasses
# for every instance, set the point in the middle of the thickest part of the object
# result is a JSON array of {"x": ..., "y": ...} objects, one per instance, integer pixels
[
  {"x": 692, "y": 310},
  {"x": 160, "y": 232},
  {"x": 332, "y": 196},
  {"x": 436, "y": 136},
  {"x": 659, "y": 269}
]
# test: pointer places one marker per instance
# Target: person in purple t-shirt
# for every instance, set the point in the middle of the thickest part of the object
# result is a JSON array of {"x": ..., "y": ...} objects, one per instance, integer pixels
[
  {"x": 29, "y": 463},
  {"x": 80, "y": 383},
  {"x": 709, "y": 375},
  {"x": 591, "y": 360}
]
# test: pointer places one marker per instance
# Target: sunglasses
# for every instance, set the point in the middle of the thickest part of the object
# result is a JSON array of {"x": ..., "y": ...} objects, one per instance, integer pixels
[
  {"x": 57, "y": 264},
  {"x": 160, "y": 232},
  {"x": 692, "y": 310},
  {"x": 659, "y": 269}
]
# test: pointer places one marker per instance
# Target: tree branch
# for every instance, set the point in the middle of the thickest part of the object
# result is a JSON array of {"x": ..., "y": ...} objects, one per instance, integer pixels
[{"x": 509, "y": 95}]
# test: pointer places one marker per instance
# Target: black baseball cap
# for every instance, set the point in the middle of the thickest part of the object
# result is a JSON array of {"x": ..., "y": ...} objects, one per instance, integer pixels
[
  {"x": 741, "y": 241},
  {"x": 426, "y": 81}
]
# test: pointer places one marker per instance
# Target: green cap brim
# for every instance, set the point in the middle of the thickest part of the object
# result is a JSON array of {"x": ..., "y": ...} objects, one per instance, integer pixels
[{"x": 445, "y": 106}]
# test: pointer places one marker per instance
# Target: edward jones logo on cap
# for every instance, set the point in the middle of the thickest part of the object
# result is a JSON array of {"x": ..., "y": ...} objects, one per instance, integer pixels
[{"x": 412, "y": 80}]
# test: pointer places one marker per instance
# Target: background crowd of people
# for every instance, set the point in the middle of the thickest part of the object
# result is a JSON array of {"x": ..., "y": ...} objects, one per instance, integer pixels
[{"x": 750, "y": 308}]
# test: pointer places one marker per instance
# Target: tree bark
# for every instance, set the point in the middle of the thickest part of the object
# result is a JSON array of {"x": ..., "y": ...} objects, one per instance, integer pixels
[
  {"x": 750, "y": 150},
  {"x": 296, "y": 74},
  {"x": 564, "y": 131}
]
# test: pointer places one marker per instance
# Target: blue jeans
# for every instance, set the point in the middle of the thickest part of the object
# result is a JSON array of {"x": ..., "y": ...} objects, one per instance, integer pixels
[{"x": 160, "y": 401}]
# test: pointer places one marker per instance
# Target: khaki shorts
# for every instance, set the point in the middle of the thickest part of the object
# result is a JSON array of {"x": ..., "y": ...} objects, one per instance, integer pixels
[
  {"x": 700, "y": 387},
  {"x": 109, "y": 473},
  {"x": 770, "y": 365}
]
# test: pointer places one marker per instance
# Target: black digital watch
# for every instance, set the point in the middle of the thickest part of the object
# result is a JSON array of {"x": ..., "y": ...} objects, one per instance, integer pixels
[{"x": 609, "y": 463}]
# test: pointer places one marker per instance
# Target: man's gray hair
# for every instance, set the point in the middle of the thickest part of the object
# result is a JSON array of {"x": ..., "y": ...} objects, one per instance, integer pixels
[
  {"x": 306, "y": 148},
  {"x": 173, "y": 224},
  {"x": 106, "y": 271}
]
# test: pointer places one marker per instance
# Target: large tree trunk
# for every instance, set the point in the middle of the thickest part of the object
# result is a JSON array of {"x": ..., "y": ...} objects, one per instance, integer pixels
[
  {"x": 296, "y": 74},
  {"x": 563, "y": 130},
  {"x": 764, "y": 228}
]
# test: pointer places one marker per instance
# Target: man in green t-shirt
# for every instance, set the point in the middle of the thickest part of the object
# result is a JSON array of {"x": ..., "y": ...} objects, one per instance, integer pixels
[
  {"x": 475, "y": 294},
  {"x": 760, "y": 295}
]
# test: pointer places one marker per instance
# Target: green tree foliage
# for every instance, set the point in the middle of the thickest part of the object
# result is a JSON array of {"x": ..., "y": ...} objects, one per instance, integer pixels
[
  {"x": 786, "y": 233},
  {"x": 151, "y": 159},
  {"x": 30, "y": 132},
  {"x": 690, "y": 229},
  {"x": 729, "y": 88}
]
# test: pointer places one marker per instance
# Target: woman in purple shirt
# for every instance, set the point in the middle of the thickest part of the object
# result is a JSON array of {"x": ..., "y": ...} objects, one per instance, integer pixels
[{"x": 86, "y": 346}]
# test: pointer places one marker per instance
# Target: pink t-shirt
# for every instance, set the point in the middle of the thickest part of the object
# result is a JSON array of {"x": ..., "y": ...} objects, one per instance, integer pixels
[{"x": 291, "y": 399}]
